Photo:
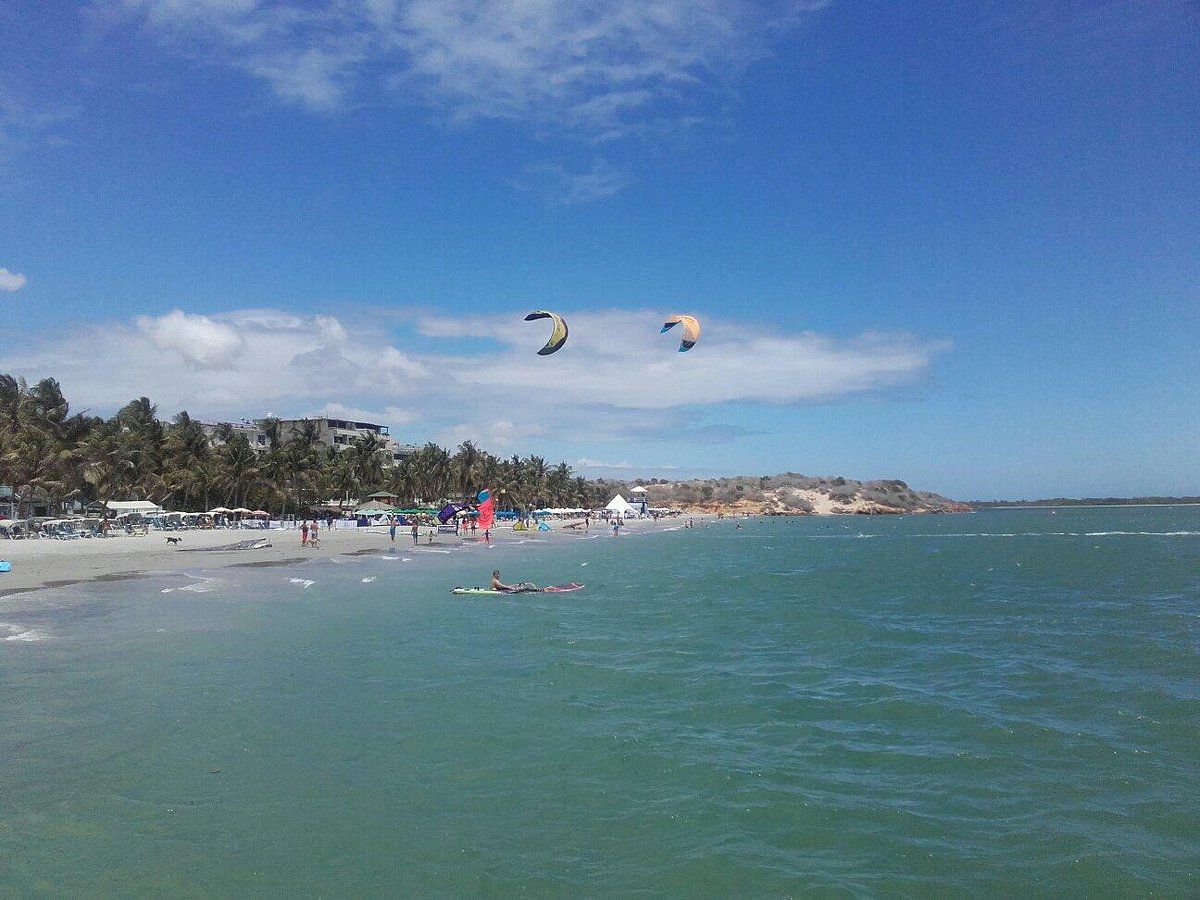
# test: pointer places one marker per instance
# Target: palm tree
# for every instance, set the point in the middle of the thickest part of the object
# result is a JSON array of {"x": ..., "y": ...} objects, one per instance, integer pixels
[
  {"x": 558, "y": 484},
  {"x": 534, "y": 472},
  {"x": 239, "y": 469},
  {"x": 466, "y": 466},
  {"x": 186, "y": 453},
  {"x": 49, "y": 454},
  {"x": 305, "y": 462},
  {"x": 366, "y": 459},
  {"x": 37, "y": 439}
]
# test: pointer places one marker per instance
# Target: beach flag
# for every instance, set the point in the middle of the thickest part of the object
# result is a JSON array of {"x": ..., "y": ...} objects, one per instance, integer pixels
[{"x": 486, "y": 510}]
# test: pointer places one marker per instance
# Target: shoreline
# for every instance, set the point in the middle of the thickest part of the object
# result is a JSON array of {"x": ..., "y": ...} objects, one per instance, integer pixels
[
  {"x": 48, "y": 564},
  {"x": 1084, "y": 505}
]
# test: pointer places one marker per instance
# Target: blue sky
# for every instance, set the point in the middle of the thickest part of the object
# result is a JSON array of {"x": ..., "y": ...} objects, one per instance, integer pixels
[{"x": 951, "y": 243}]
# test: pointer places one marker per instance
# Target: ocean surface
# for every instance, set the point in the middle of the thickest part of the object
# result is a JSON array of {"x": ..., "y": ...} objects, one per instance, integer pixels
[{"x": 1003, "y": 702}]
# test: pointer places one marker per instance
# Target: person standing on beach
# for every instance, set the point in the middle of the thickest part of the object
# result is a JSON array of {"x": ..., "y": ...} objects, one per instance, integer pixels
[
  {"x": 303, "y": 534},
  {"x": 416, "y": 534},
  {"x": 392, "y": 528},
  {"x": 312, "y": 534}
]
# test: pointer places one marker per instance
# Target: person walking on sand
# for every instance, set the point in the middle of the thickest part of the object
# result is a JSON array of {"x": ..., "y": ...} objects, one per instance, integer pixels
[
  {"x": 392, "y": 528},
  {"x": 312, "y": 534},
  {"x": 304, "y": 534}
]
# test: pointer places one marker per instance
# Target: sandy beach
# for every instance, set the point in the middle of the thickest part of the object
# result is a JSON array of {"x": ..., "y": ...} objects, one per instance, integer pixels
[{"x": 38, "y": 564}]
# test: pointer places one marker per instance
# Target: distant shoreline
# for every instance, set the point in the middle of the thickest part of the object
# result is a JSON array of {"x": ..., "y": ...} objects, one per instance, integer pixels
[{"x": 1052, "y": 504}]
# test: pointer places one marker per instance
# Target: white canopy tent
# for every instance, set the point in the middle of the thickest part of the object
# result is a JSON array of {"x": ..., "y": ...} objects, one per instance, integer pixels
[
  {"x": 618, "y": 505},
  {"x": 142, "y": 507}
]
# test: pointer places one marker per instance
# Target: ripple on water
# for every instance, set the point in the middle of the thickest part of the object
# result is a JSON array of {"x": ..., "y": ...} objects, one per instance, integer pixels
[{"x": 969, "y": 706}]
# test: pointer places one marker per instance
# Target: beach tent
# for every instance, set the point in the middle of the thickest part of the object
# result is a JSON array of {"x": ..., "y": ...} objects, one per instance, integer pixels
[
  {"x": 375, "y": 511},
  {"x": 141, "y": 507},
  {"x": 618, "y": 505}
]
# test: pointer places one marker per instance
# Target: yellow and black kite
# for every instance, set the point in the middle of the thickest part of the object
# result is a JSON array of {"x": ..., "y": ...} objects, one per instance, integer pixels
[{"x": 558, "y": 336}]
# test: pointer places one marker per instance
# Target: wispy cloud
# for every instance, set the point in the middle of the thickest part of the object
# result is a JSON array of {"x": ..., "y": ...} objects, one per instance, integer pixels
[
  {"x": 394, "y": 416},
  {"x": 561, "y": 186},
  {"x": 11, "y": 281},
  {"x": 618, "y": 358},
  {"x": 25, "y": 124},
  {"x": 617, "y": 379},
  {"x": 585, "y": 64},
  {"x": 592, "y": 70},
  {"x": 586, "y": 462}
]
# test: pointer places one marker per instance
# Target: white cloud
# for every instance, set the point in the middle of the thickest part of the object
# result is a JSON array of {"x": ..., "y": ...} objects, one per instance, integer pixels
[
  {"x": 392, "y": 416},
  {"x": 587, "y": 463},
  {"x": 617, "y": 379},
  {"x": 618, "y": 358},
  {"x": 499, "y": 435},
  {"x": 233, "y": 364},
  {"x": 592, "y": 70},
  {"x": 198, "y": 340},
  {"x": 583, "y": 64},
  {"x": 11, "y": 281}
]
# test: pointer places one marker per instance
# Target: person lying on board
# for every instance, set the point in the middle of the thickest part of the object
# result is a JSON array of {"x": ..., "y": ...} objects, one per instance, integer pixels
[{"x": 498, "y": 585}]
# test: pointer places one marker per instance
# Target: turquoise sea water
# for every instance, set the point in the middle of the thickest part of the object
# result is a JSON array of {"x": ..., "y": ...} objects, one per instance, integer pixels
[{"x": 1003, "y": 702}]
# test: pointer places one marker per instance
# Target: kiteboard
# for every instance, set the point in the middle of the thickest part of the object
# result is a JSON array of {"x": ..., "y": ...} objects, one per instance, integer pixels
[{"x": 552, "y": 589}]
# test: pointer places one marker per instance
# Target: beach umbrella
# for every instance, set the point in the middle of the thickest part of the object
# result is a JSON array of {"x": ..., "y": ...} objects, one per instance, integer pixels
[
  {"x": 218, "y": 509},
  {"x": 260, "y": 512},
  {"x": 241, "y": 510}
]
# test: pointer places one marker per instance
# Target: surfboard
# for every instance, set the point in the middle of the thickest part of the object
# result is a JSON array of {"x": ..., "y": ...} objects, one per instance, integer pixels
[{"x": 553, "y": 589}]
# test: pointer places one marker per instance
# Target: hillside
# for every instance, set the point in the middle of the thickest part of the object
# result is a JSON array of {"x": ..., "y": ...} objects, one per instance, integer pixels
[{"x": 793, "y": 494}]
